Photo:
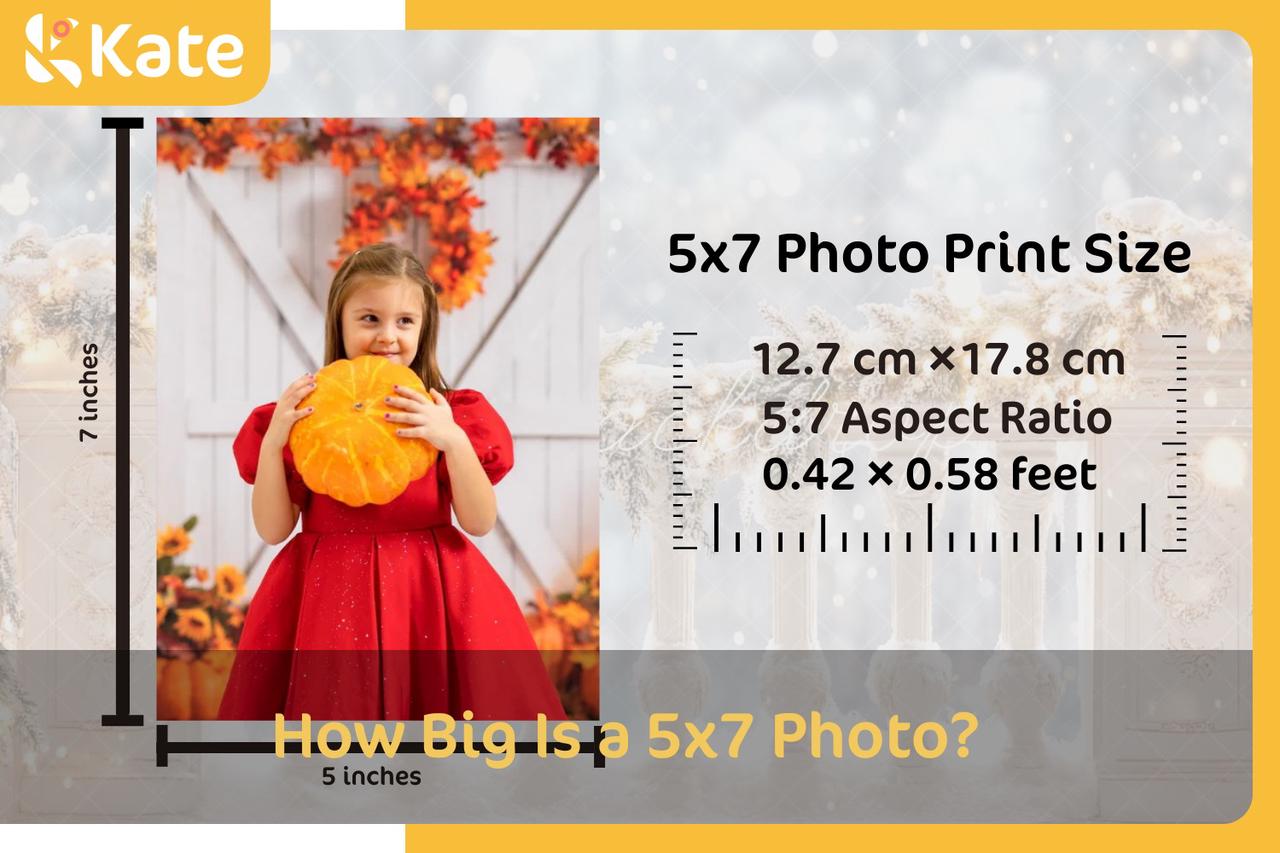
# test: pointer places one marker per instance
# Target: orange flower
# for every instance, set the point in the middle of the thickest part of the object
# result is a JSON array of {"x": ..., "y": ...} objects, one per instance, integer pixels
[
  {"x": 201, "y": 573},
  {"x": 194, "y": 624},
  {"x": 172, "y": 541},
  {"x": 235, "y": 618},
  {"x": 572, "y": 614},
  {"x": 229, "y": 582},
  {"x": 162, "y": 608}
]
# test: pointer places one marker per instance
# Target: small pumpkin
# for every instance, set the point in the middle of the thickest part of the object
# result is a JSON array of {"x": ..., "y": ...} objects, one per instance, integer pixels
[{"x": 346, "y": 448}]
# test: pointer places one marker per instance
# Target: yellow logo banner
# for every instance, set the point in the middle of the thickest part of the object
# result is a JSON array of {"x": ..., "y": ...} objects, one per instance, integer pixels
[{"x": 133, "y": 53}]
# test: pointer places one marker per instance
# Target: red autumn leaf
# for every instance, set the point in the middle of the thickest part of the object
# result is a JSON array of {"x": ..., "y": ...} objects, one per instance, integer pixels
[
  {"x": 585, "y": 152},
  {"x": 486, "y": 159},
  {"x": 336, "y": 126}
]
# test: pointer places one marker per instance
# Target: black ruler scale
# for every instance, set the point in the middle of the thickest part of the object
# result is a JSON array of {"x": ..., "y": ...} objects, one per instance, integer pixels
[
  {"x": 1178, "y": 391},
  {"x": 972, "y": 541},
  {"x": 679, "y": 484}
]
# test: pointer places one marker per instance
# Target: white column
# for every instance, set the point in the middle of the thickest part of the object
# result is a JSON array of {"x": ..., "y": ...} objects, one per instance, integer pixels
[
  {"x": 912, "y": 573},
  {"x": 671, "y": 601},
  {"x": 794, "y": 616},
  {"x": 1022, "y": 575}
]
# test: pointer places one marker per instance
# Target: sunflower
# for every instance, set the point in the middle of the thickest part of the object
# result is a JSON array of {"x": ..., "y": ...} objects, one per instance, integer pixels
[
  {"x": 229, "y": 582},
  {"x": 162, "y": 608},
  {"x": 572, "y": 614},
  {"x": 221, "y": 642},
  {"x": 172, "y": 541},
  {"x": 194, "y": 624}
]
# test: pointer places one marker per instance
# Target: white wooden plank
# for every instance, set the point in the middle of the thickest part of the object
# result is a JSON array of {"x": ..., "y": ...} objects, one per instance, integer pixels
[
  {"x": 529, "y": 338},
  {"x": 527, "y": 514},
  {"x": 228, "y": 287},
  {"x": 172, "y": 279},
  {"x": 197, "y": 303},
  {"x": 502, "y": 216},
  {"x": 245, "y": 228},
  {"x": 525, "y": 589},
  {"x": 498, "y": 552},
  {"x": 262, "y": 322},
  {"x": 328, "y": 210},
  {"x": 295, "y": 220},
  {"x": 291, "y": 364},
  {"x": 562, "y": 321},
  {"x": 198, "y": 295},
  {"x": 524, "y": 329},
  {"x": 589, "y": 496},
  {"x": 230, "y": 495},
  {"x": 535, "y": 546},
  {"x": 563, "y": 489},
  {"x": 198, "y": 501},
  {"x": 589, "y": 284}
]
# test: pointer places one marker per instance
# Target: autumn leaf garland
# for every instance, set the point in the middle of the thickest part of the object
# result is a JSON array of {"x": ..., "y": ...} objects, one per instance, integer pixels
[{"x": 407, "y": 190}]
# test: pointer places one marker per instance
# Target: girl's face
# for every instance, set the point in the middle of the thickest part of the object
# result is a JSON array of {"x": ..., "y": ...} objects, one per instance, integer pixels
[{"x": 383, "y": 316}]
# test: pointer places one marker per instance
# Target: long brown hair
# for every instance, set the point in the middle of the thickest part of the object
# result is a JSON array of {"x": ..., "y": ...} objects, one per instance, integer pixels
[{"x": 386, "y": 260}]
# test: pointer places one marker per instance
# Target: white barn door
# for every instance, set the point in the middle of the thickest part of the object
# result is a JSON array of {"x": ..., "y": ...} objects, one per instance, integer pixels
[{"x": 244, "y": 272}]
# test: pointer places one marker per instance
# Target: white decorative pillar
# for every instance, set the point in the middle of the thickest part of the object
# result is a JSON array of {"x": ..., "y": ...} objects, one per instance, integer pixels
[
  {"x": 793, "y": 674},
  {"x": 1022, "y": 574},
  {"x": 911, "y": 573},
  {"x": 671, "y": 588},
  {"x": 1023, "y": 682},
  {"x": 670, "y": 674},
  {"x": 793, "y": 612},
  {"x": 909, "y": 675}
]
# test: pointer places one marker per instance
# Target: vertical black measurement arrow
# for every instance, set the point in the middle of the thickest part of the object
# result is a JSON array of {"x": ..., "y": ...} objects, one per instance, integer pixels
[{"x": 122, "y": 126}]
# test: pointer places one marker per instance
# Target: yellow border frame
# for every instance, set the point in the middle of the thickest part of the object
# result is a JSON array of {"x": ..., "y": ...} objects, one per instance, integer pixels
[{"x": 1261, "y": 30}]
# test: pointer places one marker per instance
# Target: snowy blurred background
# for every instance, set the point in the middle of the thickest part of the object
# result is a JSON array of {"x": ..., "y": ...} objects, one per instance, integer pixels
[{"x": 910, "y": 134}]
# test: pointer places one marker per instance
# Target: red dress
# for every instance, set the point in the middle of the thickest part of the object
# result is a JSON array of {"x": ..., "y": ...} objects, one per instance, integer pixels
[{"x": 386, "y": 612}]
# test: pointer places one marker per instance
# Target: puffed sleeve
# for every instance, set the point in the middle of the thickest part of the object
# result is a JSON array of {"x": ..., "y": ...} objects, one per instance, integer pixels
[
  {"x": 488, "y": 433},
  {"x": 248, "y": 445}
]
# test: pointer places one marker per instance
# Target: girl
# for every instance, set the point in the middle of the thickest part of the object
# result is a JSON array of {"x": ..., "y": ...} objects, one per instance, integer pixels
[{"x": 384, "y": 612}]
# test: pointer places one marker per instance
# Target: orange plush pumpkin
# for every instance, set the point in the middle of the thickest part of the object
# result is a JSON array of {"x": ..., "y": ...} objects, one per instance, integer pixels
[{"x": 346, "y": 448}]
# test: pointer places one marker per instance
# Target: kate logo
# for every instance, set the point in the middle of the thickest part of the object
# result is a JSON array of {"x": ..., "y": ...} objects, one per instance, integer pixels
[
  {"x": 36, "y": 69},
  {"x": 129, "y": 52}
]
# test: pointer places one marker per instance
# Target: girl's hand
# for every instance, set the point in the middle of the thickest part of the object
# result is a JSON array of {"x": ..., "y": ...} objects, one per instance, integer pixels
[
  {"x": 288, "y": 413},
  {"x": 428, "y": 418}
]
